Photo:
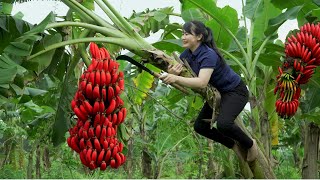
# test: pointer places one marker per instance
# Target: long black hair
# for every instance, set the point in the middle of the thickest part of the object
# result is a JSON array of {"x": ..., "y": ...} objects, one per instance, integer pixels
[{"x": 198, "y": 28}]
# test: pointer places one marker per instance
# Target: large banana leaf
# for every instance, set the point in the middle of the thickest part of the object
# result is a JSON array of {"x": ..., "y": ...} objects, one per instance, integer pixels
[
  {"x": 253, "y": 8},
  {"x": 230, "y": 19},
  {"x": 306, "y": 13},
  {"x": 44, "y": 60},
  {"x": 6, "y": 6},
  {"x": 169, "y": 46},
  {"x": 11, "y": 28},
  {"x": 227, "y": 14},
  {"x": 276, "y": 22},
  {"x": 29, "y": 41},
  {"x": 261, "y": 20},
  {"x": 150, "y": 21},
  {"x": 288, "y": 4},
  {"x": 189, "y": 12},
  {"x": 23, "y": 45},
  {"x": 8, "y": 71}
]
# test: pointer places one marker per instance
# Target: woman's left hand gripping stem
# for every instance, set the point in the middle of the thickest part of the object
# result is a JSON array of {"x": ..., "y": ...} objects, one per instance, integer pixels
[{"x": 168, "y": 78}]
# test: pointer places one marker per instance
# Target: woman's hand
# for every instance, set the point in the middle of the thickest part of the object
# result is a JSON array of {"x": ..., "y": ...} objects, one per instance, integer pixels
[
  {"x": 194, "y": 82},
  {"x": 169, "y": 78},
  {"x": 175, "y": 69}
]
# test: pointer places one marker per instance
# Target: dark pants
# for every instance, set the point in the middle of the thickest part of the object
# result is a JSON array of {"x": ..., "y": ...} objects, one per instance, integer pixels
[{"x": 227, "y": 132}]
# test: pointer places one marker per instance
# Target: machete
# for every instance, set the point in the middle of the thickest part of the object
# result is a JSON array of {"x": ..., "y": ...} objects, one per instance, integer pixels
[{"x": 157, "y": 75}]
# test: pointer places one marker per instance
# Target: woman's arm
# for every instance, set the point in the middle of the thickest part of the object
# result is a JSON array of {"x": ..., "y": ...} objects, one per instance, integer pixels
[{"x": 197, "y": 82}]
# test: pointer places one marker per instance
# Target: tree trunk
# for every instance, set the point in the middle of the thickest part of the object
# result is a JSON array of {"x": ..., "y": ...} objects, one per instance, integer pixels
[
  {"x": 146, "y": 164},
  {"x": 253, "y": 104},
  {"x": 30, "y": 166},
  {"x": 146, "y": 160},
  {"x": 46, "y": 158},
  {"x": 266, "y": 135},
  {"x": 38, "y": 158},
  {"x": 261, "y": 167},
  {"x": 13, "y": 156},
  {"x": 311, "y": 149},
  {"x": 156, "y": 170},
  {"x": 129, "y": 162},
  {"x": 128, "y": 166},
  {"x": 211, "y": 166},
  {"x": 179, "y": 165},
  {"x": 21, "y": 157},
  {"x": 7, "y": 151},
  {"x": 244, "y": 167}
]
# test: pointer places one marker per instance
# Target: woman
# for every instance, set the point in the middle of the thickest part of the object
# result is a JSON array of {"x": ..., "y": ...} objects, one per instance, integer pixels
[{"x": 205, "y": 60}]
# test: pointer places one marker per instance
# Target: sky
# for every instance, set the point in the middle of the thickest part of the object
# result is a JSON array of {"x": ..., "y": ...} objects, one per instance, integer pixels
[{"x": 36, "y": 11}]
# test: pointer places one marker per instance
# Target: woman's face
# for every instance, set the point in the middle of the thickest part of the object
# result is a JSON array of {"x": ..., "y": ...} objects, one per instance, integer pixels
[{"x": 190, "y": 41}]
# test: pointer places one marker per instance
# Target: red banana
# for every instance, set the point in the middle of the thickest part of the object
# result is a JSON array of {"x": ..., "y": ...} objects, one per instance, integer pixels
[
  {"x": 97, "y": 144},
  {"x": 74, "y": 144},
  {"x": 89, "y": 143},
  {"x": 105, "y": 144},
  {"x": 104, "y": 94},
  {"x": 83, "y": 110},
  {"x": 89, "y": 90},
  {"x": 108, "y": 78},
  {"x": 98, "y": 131},
  {"x": 121, "y": 84},
  {"x": 120, "y": 117},
  {"x": 107, "y": 156},
  {"x": 103, "y": 79},
  {"x": 96, "y": 107},
  {"x": 100, "y": 157},
  {"x": 113, "y": 163},
  {"x": 111, "y": 107},
  {"x": 98, "y": 78},
  {"x": 109, "y": 133},
  {"x": 73, "y": 104},
  {"x": 94, "y": 50},
  {"x": 82, "y": 144},
  {"x": 103, "y": 132},
  {"x": 118, "y": 160},
  {"x": 79, "y": 114},
  {"x": 106, "y": 65},
  {"x": 92, "y": 78},
  {"x": 101, "y": 107},
  {"x": 88, "y": 107},
  {"x": 88, "y": 155},
  {"x": 96, "y": 92},
  {"x": 103, "y": 166},
  {"x": 91, "y": 132},
  {"x": 83, "y": 158},
  {"x": 114, "y": 78}
]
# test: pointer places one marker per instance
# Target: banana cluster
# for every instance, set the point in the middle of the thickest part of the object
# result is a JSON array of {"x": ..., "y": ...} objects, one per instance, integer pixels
[
  {"x": 302, "y": 57},
  {"x": 99, "y": 111}
]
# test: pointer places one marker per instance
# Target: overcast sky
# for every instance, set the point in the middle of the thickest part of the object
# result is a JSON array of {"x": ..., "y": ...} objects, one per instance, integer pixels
[{"x": 36, "y": 11}]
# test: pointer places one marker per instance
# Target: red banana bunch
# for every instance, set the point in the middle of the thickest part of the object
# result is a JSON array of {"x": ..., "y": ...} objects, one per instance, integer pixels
[
  {"x": 302, "y": 57},
  {"x": 100, "y": 110}
]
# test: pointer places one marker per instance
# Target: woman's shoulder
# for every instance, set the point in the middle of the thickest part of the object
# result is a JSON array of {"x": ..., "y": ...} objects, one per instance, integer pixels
[
  {"x": 209, "y": 52},
  {"x": 184, "y": 54}
]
